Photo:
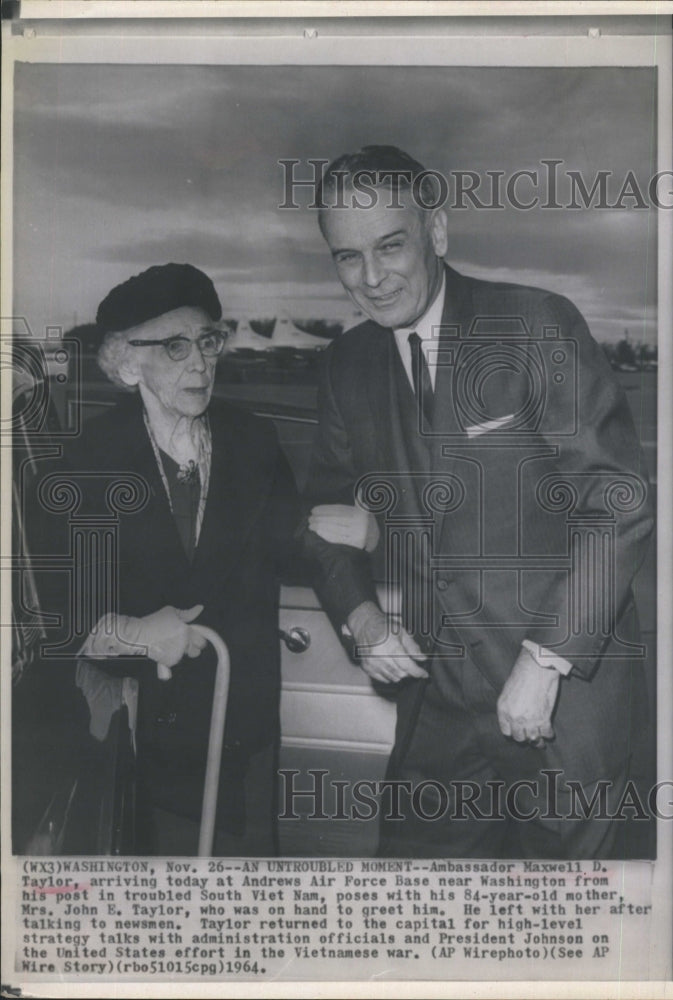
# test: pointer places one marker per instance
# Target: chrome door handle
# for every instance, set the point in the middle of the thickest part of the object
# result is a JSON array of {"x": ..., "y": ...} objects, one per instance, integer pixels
[{"x": 296, "y": 639}]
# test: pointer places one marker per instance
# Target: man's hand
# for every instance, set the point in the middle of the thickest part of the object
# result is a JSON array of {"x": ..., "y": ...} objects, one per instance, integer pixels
[
  {"x": 385, "y": 657},
  {"x": 527, "y": 701},
  {"x": 345, "y": 525}
]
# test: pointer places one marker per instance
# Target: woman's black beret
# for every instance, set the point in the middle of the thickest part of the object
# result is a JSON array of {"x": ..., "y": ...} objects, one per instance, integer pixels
[{"x": 157, "y": 291}]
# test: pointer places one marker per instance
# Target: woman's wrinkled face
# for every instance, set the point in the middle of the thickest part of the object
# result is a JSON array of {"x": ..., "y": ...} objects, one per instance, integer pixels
[{"x": 183, "y": 388}]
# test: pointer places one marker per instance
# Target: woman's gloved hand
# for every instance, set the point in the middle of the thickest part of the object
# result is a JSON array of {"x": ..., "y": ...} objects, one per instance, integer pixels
[{"x": 164, "y": 636}]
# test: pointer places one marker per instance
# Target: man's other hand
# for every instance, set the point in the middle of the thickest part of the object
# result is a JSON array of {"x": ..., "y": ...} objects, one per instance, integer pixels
[
  {"x": 384, "y": 656},
  {"x": 342, "y": 524},
  {"x": 527, "y": 701}
]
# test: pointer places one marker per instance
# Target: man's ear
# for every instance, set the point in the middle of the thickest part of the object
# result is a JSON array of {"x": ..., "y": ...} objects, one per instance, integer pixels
[{"x": 439, "y": 231}]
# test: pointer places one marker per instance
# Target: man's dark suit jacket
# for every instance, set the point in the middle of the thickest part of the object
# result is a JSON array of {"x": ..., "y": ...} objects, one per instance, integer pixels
[
  {"x": 247, "y": 530},
  {"x": 534, "y": 443}
]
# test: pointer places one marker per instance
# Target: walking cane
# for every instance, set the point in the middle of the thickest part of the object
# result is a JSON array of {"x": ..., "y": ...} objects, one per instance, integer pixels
[{"x": 210, "y": 785}]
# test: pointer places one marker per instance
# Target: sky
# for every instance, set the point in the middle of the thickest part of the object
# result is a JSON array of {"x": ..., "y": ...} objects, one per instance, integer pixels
[{"x": 119, "y": 167}]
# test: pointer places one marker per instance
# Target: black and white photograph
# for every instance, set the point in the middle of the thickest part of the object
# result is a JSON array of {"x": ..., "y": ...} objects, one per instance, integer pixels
[{"x": 336, "y": 509}]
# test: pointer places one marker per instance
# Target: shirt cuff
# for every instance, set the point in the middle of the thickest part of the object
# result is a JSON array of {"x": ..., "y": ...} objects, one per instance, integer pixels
[{"x": 545, "y": 659}]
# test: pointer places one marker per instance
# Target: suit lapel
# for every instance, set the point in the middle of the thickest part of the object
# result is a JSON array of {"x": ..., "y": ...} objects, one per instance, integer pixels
[
  {"x": 390, "y": 397},
  {"x": 376, "y": 394},
  {"x": 392, "y": 412},
  {"x": 457, "y": 317}
]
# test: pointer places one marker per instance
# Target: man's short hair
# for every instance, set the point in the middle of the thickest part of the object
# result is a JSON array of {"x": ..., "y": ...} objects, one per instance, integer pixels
[{"x": 385, "y": 167}]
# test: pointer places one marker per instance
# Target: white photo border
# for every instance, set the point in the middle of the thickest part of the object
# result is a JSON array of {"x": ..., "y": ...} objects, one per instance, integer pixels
[{"x": 410, "y": 45}]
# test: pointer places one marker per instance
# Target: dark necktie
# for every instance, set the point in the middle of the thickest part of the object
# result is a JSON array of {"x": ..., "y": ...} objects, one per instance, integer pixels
[{"x": 421, "y": 377}]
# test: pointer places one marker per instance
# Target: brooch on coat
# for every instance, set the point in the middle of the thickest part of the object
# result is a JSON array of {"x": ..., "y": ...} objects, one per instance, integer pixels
[{"x": 188, "y": 473}]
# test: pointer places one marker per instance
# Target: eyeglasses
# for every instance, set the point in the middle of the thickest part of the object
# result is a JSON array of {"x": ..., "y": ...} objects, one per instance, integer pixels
[{"x": 210, "y": 344}]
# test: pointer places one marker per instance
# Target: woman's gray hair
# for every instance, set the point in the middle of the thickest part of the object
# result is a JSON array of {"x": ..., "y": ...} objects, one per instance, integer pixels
[{"x": 111, "y": 355}]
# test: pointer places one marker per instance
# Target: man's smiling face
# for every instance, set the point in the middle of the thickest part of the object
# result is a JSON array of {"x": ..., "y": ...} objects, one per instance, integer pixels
[{"x": 389, "y": 259}]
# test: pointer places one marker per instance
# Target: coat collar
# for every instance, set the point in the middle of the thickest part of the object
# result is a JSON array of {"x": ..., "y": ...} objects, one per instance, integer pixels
[
  {"x": 237, "y": 494},
  {"x": 456, "y": 319},
  {"x": 133, "y": 451}
]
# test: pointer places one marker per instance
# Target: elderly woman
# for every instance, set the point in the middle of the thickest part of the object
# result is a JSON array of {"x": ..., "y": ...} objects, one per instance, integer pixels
[{"x": 219, "y": 517}]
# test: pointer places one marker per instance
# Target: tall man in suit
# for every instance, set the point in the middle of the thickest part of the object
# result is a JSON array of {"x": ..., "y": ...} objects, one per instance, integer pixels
[{"x": 483, "y": 426}]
